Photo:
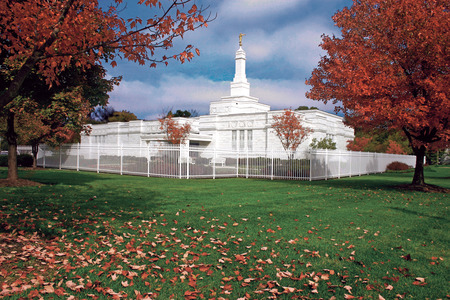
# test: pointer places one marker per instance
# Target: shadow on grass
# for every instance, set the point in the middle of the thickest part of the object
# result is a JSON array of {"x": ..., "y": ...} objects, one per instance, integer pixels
[
  {"x": 391, "y": 180},
  {"x": 77, "y": 214},
  {"x": 79, "y": 203},
  {"x": 421, "y": 214}
]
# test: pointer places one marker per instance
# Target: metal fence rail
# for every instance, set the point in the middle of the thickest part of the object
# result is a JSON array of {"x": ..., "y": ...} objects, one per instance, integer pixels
[{"x": 181, "y": 161}]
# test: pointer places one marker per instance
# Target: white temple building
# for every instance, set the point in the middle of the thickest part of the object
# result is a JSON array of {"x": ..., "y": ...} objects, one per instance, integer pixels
[{"x": 235, "y": 122}]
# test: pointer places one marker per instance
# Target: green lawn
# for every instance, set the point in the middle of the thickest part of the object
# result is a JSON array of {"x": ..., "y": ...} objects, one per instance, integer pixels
[{"x": 109, "y": 236}]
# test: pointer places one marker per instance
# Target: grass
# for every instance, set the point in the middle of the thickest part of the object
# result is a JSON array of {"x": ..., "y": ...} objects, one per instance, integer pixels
[{"x": 109, "y": 236}]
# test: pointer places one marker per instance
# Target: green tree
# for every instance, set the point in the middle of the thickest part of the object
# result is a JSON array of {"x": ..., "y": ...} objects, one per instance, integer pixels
[
  {"x": 323, "y": 143},
  {"x": 122, "y": 116},
  {"x": 302, "y": 107},
  {"x": 57, "y": 115},
  {"x": 46, "y": 37}
]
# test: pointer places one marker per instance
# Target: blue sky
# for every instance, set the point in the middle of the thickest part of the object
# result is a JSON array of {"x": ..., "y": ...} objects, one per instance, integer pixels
[{"x": 282, "y": 46}]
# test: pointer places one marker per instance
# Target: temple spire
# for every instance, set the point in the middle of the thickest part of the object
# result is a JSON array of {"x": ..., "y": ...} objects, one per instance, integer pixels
[{"x": 240, "y": 85}]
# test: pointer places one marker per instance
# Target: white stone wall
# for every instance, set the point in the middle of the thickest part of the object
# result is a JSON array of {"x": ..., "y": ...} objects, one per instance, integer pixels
[{"x": 220, "y": 128}]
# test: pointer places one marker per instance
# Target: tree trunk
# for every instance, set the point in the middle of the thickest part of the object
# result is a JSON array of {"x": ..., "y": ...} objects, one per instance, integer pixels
[
  {"x": 11, "y": 137},
  {"x": 419, "y": 178},
  {"x": 34, "y": 150}
]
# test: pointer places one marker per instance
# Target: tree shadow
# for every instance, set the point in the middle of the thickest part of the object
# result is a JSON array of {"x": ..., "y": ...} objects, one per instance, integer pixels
[{"x": 79, "y": 204}]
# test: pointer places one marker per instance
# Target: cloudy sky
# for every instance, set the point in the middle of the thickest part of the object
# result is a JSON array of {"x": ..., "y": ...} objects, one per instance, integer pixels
[{"x": 282, "y": 46}]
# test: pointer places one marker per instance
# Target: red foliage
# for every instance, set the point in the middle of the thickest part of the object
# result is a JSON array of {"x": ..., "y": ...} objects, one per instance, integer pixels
[
  {"x": 48, "y": 35},
  {"x": 397, "y": 166},
  {"x": 390, "y": 67},
  {"x": 395, "y": 148},
  {"x": 289, "y": 129},
  {"x": 358, "y": 144},
  {"x": 175, "y": 133}
]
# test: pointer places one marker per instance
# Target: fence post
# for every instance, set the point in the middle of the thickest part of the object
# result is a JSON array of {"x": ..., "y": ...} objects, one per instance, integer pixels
[
  {"x": 360, "y": 163},
  {"x": 237, "y": 163},
  {"x": 310, "y": 165},
  {"x": 179, "y": 161},
  {"x": 351, "y": 158},
  {"x": 326, "y": 164},
  {"x": 148, "y": 160},
  {"x": 187, "y": 161},
  {"x": 214, "y": 162},
  {"x": 78, "y": 158},
  {"x": 339, "y": 164},
  {"x": 60, "y": 157},
  {"x": 271, "y": 169},
  {"x": 121, "y": 158},
  {"x": 246, "y": 162},
  {"x": 43, "y": 163},
  {"x": 98, "y": 158}
]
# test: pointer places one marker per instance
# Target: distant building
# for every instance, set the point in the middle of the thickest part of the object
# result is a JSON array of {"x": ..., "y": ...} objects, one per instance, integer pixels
[{"x": 235, "y": 122}]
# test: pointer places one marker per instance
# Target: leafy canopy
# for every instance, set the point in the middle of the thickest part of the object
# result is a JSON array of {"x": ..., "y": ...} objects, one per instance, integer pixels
[
  {"x": 49, "y": 35},
  {"x": 289, "y": 129},
  {"x": 390, "y": 69},
  {"x": 175, "y": 132}
]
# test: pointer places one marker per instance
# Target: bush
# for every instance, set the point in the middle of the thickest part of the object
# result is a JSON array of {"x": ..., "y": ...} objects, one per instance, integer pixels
[
  {"x": 3, "y": 160},
  {"x": 397, "y": 166},
  {"x": 24, "y": 160}
]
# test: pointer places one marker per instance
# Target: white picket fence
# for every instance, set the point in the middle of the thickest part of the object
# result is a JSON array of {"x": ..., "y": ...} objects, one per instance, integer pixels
[{"x": 198, "y": 162}]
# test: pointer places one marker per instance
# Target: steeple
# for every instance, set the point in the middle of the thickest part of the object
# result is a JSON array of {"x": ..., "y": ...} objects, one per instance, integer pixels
[
  {"x": 240, "y": 100},
  {"x": 240, "y": 85}
]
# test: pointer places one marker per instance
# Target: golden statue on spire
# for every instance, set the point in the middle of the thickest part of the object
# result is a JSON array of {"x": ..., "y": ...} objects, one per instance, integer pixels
[{"x": 240, "y": 39}]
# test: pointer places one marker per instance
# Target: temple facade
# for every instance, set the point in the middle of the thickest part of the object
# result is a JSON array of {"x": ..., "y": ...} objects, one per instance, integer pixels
[{"x": 235, "y": 122}]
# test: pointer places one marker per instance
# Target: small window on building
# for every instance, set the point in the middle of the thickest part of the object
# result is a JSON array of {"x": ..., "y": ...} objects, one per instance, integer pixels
[
  {"x": 234, "y": 139},
  {"x": 250, "y": 140},
  {"x": 241, "y": 139}
]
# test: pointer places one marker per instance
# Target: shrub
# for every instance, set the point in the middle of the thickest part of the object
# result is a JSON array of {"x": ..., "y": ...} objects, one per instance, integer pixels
[
  {"x": 397, "y": 166},
  {"x": 24, "y": 160},
  {"x": 3, "y": 160}
]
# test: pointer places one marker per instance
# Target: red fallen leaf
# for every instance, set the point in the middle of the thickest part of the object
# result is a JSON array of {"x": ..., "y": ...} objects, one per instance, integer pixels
[
  {"x": 192, "y": 282},
  {"x": 419, "y": 283},
  {"x": 407, "y": 257},
  {"x": 239, "y": 257},
  {"x": 302, "y": 276},
  {"x": 60, "y": 291},
  {"x": 394, "y": 279},
  {"x": 125, "y": 283},
  {"x": 33, "y": 293},
  {"x": 190, "y": 295},
  {"x": 203, "y": 268},
  {"x": 347, "y": 296},
  {"x": 270, "y": 230}
]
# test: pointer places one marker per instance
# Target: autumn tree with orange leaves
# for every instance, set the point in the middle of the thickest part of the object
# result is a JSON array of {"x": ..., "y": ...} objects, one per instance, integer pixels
[
  {"x": 48, "y": 36},
  {"x": 389, "y": 69},
  {"x": 289, "y": 129},
  {"x": 176, "y": 133}
]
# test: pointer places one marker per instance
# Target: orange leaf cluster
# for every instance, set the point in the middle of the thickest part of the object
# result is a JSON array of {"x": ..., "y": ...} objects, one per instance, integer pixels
[
  {"x": 49, "y": 35},
  {"x": 175, "y": 133},
  {"x": 288, "y": 127}
]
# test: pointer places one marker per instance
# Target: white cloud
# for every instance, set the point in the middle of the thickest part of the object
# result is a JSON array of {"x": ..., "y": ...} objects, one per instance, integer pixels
[
  {"x": 297, "y": 43},
  {"x": 183, "y": 92},
  {"x": 177, "y": 92},
  {"x": 256, "y": 8}
]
